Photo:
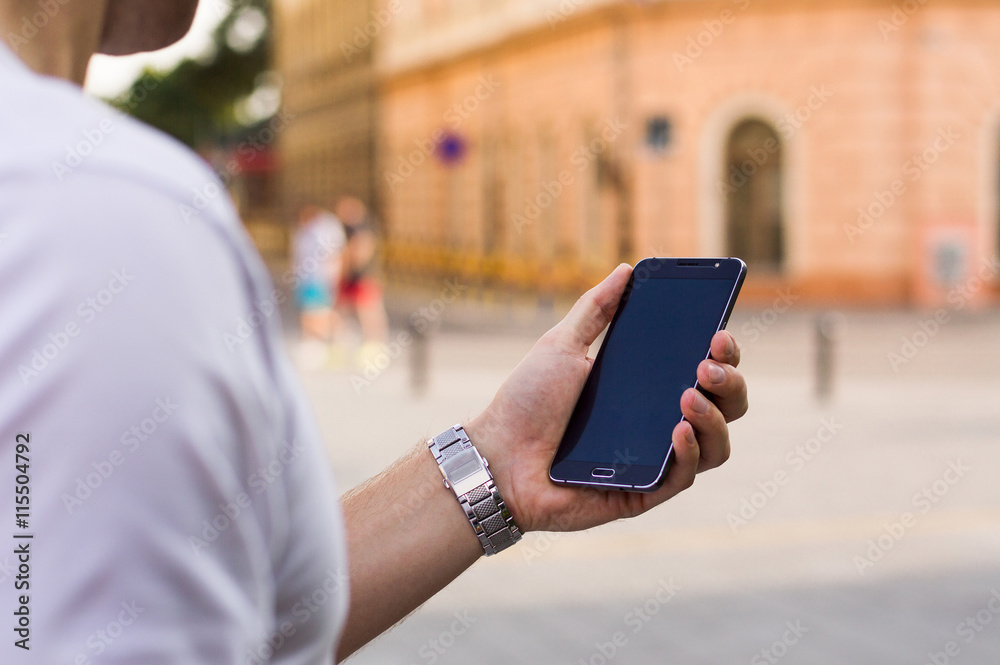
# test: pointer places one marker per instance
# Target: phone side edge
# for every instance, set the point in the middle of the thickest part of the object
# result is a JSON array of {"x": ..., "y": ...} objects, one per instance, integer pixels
[{"x": 733, "y": 295}]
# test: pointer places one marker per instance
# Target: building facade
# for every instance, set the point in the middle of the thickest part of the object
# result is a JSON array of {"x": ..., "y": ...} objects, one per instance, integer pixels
[
  {"x": 849, "y": 150},
  {"x": 328, "y": 98}
]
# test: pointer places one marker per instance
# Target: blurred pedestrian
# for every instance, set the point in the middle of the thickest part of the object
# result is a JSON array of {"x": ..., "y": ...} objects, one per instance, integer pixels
[
  {"x": 317, "y": 258},
  {"x": 360, "y": 290}
]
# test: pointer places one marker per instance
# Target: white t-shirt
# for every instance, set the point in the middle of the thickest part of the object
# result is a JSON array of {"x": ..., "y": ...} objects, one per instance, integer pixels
[
  {"x": 316, "y": 248},
  {"x": 181, "y": 504}
]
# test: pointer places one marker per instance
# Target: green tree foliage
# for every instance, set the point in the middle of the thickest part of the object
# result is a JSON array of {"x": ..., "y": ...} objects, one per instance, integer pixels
[{"x": 197, "y": 102}]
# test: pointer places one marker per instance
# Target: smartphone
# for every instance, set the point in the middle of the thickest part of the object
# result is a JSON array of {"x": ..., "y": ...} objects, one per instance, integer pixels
[{"x": 619, "y": 436}]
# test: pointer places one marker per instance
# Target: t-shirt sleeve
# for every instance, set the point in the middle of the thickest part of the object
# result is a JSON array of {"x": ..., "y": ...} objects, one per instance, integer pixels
[{"x": 167, "y": 460}]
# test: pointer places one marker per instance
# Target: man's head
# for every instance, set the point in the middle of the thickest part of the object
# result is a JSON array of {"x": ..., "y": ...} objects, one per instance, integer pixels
[
  {"x": 350, "y": 210},
  {"x": 131, "y": 26},
  {"x": 62, "y": 46}
]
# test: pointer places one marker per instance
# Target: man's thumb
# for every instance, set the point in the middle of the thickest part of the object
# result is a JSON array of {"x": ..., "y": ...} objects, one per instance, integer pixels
[{"x": 593, "y": 311}]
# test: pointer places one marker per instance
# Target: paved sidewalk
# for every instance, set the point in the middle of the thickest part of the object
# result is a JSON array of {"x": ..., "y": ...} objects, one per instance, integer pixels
[{"x": 865, "y": 530}]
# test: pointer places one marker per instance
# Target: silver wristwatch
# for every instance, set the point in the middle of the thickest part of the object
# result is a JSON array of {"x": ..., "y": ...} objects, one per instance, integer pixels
[{"x": 467, "y": 474}]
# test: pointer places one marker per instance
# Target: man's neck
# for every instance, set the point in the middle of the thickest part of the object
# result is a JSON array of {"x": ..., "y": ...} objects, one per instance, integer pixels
[{"x": 52, "y": 38}]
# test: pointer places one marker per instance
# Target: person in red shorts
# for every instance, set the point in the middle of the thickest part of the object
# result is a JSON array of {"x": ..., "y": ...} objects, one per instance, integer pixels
[{"x": 359, "y": 290}]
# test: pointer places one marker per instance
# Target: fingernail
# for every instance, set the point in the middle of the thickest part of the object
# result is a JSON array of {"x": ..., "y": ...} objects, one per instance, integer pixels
[
  {"x": 715, "y": 373},
  {"x": 700, "y": 404},
  {"x": 689, "y": 437},
  {"x": 730, "y": 346}
]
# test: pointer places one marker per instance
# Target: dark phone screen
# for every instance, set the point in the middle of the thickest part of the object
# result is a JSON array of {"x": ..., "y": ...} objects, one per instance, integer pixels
[{"x": 631, "y": 401}]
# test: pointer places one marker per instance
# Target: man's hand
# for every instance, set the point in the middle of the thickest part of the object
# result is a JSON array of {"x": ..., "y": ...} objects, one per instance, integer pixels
[
  {"x": 431, "y": 541},
  {"x": 521, "y": 428}
]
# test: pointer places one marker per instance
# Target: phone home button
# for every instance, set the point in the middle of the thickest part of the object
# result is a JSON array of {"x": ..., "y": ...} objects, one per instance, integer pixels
[{"x": 602, "y": 472}]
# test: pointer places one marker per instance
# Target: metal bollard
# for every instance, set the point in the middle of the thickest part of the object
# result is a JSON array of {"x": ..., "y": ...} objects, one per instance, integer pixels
[
  {"x": 826, "y": 333},
  {"x": 418, "y": 359}
]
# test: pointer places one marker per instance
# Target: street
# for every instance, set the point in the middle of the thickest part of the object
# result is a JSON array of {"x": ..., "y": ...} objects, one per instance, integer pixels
[{"x": 862, "y": 530}]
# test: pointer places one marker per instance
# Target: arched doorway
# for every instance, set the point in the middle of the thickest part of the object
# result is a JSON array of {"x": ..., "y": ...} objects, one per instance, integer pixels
[{"x": 753, "y": 185}]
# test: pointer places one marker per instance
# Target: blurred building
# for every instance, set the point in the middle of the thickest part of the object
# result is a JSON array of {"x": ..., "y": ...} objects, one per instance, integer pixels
[
  {"x": 849, "y": 150},
  {"x": 328, "y": 146}
]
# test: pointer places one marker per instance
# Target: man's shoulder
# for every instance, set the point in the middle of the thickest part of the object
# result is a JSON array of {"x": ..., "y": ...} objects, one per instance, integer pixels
[
  {"x": 88, "y": 188},
  {"x": 53, "y": 134}
]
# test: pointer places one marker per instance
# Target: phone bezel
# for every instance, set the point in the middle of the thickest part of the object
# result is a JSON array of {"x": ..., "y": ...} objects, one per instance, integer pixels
[{"x": 644, "y": 478}]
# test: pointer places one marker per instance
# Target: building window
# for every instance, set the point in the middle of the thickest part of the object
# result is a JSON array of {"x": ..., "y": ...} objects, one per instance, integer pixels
[
  {"x": 753, "y": 186},
  {"x": 658, "y": 133}
]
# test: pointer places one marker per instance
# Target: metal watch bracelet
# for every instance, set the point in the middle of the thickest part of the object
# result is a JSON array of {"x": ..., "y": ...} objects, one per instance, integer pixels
[{"x": 467, "y": 474}]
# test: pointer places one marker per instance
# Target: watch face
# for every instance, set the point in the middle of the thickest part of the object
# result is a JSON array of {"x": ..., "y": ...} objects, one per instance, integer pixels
[{"x": 463, "y": 465}]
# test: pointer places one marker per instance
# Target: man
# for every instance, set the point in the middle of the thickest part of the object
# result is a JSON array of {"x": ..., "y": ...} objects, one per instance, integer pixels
[{"x": 180, "y": 509}]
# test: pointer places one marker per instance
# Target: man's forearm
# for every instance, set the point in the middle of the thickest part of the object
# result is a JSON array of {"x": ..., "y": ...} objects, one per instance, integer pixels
[{"x": 407, "y": 539}]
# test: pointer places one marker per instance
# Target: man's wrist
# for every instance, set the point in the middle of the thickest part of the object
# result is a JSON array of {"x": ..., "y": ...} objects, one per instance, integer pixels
[
  {"x": 486, "y": 434},
  {"x": 466, "y": 473}
]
